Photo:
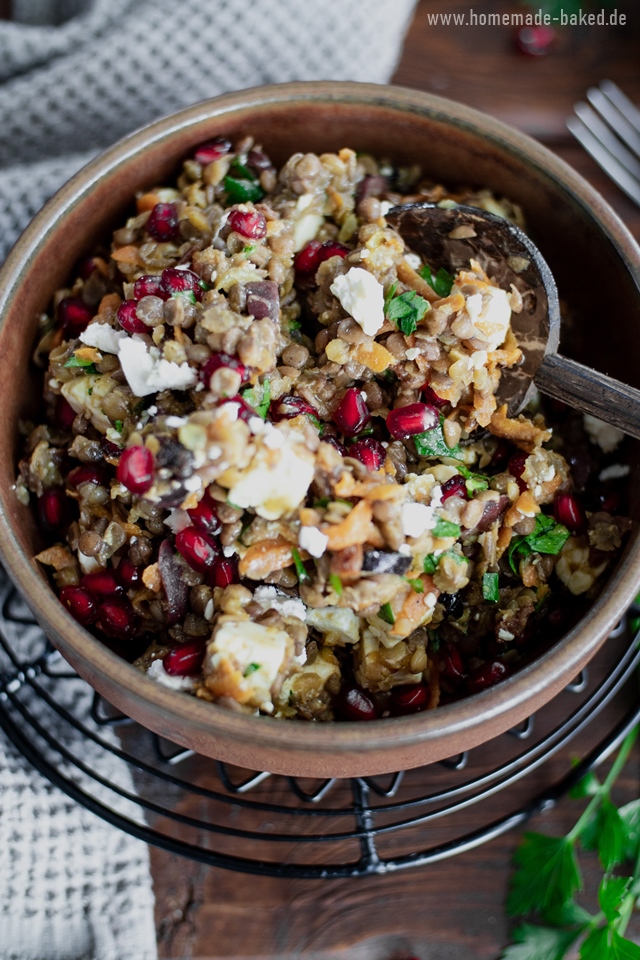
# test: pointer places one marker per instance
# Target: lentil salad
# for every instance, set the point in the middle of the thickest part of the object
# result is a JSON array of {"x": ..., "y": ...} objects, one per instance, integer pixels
[{"x": 273, "y": 463}]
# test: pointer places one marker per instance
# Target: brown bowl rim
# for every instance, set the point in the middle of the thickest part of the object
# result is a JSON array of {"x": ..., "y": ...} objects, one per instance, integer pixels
[{"x": 564, "y": 659}]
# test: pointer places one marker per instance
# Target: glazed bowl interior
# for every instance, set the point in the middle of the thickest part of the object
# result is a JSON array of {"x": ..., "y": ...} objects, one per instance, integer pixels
[{"x": 597, "y": 267}]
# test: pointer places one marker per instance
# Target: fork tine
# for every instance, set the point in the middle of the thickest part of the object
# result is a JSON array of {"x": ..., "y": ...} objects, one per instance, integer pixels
[
  {"x": 605, "y": 159},
  {"x": 615, "y": 118},
  {"x": 622, "y": 102},
  {"x": 601, "y": 131}
]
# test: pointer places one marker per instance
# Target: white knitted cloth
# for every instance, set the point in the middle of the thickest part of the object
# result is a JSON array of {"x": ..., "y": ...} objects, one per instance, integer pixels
[{"x": 74, "y": 76}]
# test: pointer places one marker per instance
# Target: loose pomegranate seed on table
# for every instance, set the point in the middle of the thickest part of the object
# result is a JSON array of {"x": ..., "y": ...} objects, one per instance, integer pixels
[
  {"x": 352, "y": 414},
  {"x": 53, "y": 509},
  {"x": 248, "y": 223},
  {"x": 163, "y": 223},
  {"x": 185, "y": 660},
  {"x": 74, "y": 316},
  {"x": 196, "y": 548},
  {"x": 135, "y": 469},
  {"x": 368, "y": 451},
  {"x": 415, "y": 418},
  {"x": 117, "y": 618},
  {"x": 454, "y": 487},
  {"x": 128, "y": 318},
  {"x": 568, "y": 511},
  {"x": 212, "y": 150},
  {"x": 81, "y": 604}
]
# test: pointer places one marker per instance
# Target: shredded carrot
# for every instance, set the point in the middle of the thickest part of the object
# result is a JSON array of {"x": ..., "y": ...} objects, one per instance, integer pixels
[{"x": 128, "y": 254}]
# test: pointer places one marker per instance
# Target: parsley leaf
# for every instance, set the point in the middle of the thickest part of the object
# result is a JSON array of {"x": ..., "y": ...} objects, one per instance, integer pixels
[
  {"x": 258, "y": 397},
  {"x": 606, "y": 834},
  {"x": 474, "y": 482},
  {"x": 431, "y": 562},
  {"x": 242, "y": 189},
  {"x": 547, "y": 537},
  {"x": 607, "y": 944},
  {"x": 611, "y": 893},
  {"x": 441, "y": 283},
  {"x": 417, "y": 585},
  {"x": 301, "y": 570},
  {"x": 490, "y": 589},
  {"x": 251, "y": 669},
  {"x": 630, "y": 816},
  {"x": 336, "y": 583},
  {"x": 87, "y": 365},
  {"x": 444, "y": 528},
  {"x": 407, "y": 310},
  {"x": 547, "y": 874},
  {"x": 539, "y": 943},
  {"x": 386, "y": 613},
  {"x": 432, "y": 443}
]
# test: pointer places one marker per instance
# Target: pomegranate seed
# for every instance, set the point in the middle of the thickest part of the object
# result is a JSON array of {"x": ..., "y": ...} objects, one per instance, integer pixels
[
  {"x": 149, "y": 286},
  {"x": 128, "y": 318},
  {"x": 52, "y": 509},
  {"x": 340, "y": 447},
  {"x": 218, "y": 360},
  {"x": 248, "y": 223},
  {"x": 204, "y": 517},
  {"x": 568, "y": 510},
  {"x": 64, "y": 413},
  {"x": 486, "y": 675},
  {"x": 355, "y": 704},
  {"x": 258, "y": 161},
  {"x": 405, "y": 700},
  {"x": 368, "y": 451},
  {"x": 454, "y": 487},
  {"x": 74, "y": 315},
  {"x": 163, "y": 224},
  {"x": 102, "y": 583},
  {"x": 414, "y": 418},
  {"x": 212, "y": 150},
  {"x": 80, "y": 604},
  {"x": 110, "y": 449},
  {"x": 128, "y": 575},
  {"x": 117, "y": 618},
  {"x": 135, "y": 469},
  {"x": 352, "y": 414},
  {"x": 224, "y": 572},
  {"x": 432, "y": 397},
  {"x": 196, "y": 549},
  {"x": 535, "y": 41},
  {"x": 500, "y": 457},
  {"x": 182, "y": 281},
  {"x": 245, "y": 411},
  {"x": 307, "y": 260},
  {"x": 185, "y": 660},
  {"x": 516, "y": 469},
  {"x": 85, "y": 474},
  {"x": 451, "y": 664},
  {"x": 288, "y": 407},
  {"x": 86, "y": 267}
]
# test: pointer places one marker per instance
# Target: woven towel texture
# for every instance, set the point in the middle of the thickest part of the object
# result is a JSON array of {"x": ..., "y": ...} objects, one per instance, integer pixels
[
  {"x": 75, "y": 75},
  {"x": 70, "y": 90}
]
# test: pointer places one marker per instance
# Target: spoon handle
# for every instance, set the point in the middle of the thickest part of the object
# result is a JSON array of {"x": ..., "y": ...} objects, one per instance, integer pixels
[{"x": 591, "y": 392}]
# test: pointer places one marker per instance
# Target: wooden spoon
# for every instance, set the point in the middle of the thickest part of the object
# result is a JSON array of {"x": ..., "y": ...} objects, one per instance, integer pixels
[{"x": 450, "y": 237}]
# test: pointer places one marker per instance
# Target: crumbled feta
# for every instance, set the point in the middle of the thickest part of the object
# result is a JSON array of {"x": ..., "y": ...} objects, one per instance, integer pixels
[
  {"x": 412, "y": 353},
  {"x": 417, "y": 518},
  {"x": 338, "y": 620},
  {"x": 505, "y": 634},
  {"x": 362, "y": 296},
  {"x": 228, "y": 551},
  {"x": 173, "y": 422},
  {"x": 177, "y": 520},
  {"x": 152, "y": 410},
  {"x": 603, "y": 434},
  {"x": 313, "y": 541},
  {"x": 489, "y": 311},
  {"x": 250, "y": 655},
  {"x": 146, "y": 373},
  {"x": 158, "y": 673},
  {"x": 209, "y": 610},
  {"x": 413, "y": 260},
  {"x": 193, "y": 483},
  {"x": 273, "y": 599},
  {"x": 385, "y": 206},
  {"x": 615, "y": 471},
  {"x": 405, "y": 550},
  {"x": 103, "y": 337},
  {"x": 87, "y": 564},
  {"x": 276, "y": 481}
]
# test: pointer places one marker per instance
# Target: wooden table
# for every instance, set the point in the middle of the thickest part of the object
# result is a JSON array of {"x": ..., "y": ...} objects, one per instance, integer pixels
[{"x": 452, "y": 910}]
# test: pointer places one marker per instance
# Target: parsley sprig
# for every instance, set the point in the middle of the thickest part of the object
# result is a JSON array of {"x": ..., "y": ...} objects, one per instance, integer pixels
[
  {"x": 406, "y": 310},
  {"x": 441, "y": 282},
  {"x": 547, "y": 879},
  {"x": 546, "y": 537}
]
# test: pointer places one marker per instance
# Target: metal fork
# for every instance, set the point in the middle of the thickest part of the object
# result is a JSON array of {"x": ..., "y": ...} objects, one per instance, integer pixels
[{"x": 608, "y": 127}]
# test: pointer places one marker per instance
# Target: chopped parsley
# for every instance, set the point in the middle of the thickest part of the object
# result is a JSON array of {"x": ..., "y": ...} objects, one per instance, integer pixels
[
  {"x": 87, "y": 365},
  {"x": 417, "y": 584},
  {"x": 187, "y": 295},
  {"x": 242, "y": 185},
  {"x": 251, "y": 669},
  {"x": 406, "y": 311},
  {"x": 444, "y": 528},
  {"x": 119, "y": 426},
  {"x": 474, "y": 482},
  {"x": 386, "y": 613},
  {"x": 335, "y": 583},
  {"x": 432, "y": 443},
  {"x": 258, "y": 397},
  {"x": 249, "y": 249},
  {"x": 441, "y": 283},
  {"x": 301, "y": 570},
  {"x": 547, "y": 537},
  {"x": 490, "y": 589},
  {"x": 430, "y": 564}
]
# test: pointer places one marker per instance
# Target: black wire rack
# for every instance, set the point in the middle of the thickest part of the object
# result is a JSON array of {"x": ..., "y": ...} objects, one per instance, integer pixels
[{"x": 286, "y": 827}]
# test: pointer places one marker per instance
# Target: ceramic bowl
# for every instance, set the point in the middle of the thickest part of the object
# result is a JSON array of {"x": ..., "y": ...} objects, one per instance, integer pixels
[{"x": 596, "y": 264}]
